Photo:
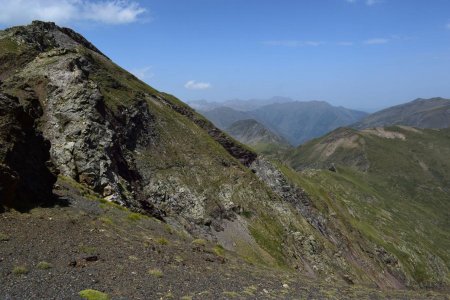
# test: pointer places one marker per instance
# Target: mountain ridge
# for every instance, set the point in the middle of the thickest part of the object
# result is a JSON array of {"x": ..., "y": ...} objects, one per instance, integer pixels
[{"x": 421, "y": 113}]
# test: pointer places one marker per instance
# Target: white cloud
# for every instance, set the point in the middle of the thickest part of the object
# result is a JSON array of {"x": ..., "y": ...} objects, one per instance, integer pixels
[
  {"x": 143, "y": 73},
  {"x": 194, "y": 85},
  {"x": 67, "y": 11},
  {"x": 377, "y": 41},
  {"x": 292, "y": 43},
  {"x": 448, "y": 26}
]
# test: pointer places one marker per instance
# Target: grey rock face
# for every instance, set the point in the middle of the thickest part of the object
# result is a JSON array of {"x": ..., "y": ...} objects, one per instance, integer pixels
[{"x": 89, "y": 143}]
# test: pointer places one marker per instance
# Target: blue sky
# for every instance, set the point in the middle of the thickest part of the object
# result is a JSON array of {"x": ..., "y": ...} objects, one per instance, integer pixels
[{"x": 363, "y": 54}]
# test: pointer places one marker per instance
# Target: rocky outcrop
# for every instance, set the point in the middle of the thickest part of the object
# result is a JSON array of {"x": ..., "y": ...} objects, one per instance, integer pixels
[
  {"x": 44, "y": 36},
  {"x": 26, "y": 175}
]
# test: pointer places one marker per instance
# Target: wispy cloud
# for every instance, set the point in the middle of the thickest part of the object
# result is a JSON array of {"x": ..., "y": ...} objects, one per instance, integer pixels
[
  {"x": 143, "y": 73},
  {"x": 67, "y": 11},
  {"x": 194, "y": 85},
  {"x": 293, "y": 43},
  {"x": 447, "y": 26},
  {"x": 376, "y": 41}
]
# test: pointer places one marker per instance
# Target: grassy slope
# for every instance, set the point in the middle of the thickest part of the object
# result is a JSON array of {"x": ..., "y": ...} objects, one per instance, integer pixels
[{"x": 401, "y": 203}]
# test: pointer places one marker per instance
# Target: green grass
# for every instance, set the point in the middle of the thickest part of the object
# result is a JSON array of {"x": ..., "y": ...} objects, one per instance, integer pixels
[
  {"x": 93, "y": 295},
  {"x": 199, "y": 242},
  {"x": 4, "y": 237},
  {"x": 219, "y": 250},
  {"x": 43, "y": 265},
  {"x": 7, "y": 45},
  {"x": 231, "y": 294},
  {"x": 87, "y": 249},
  {"x": 134, "y": 217},
  {"x": 162, "y": 241},
  {"x": 20, "y": 270},
  {"x": 398, "y": 204},
  {"x": 156, "y": 273}
]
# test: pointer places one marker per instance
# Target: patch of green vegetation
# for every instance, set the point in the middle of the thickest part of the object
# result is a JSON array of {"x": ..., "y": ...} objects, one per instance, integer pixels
[
  {"x": 106, "y": 220},
  {"x": 218, "y": 250},
  {"x": 7, "y": 45},
  {"x": 231, "y": 294},
  {"x": 199, "y": 242},
  {"x": 186, "y": 298},
  {"x": 156, "y": 273},
  {"x": 87, "y": 249},
  {"x": 250, "y": 290},
  {"x": 162, "y": 241},
  {"x": 268, "y": 233},
  {"x": 43, "y": 265},
  {"x": 134, "y": 217},
  {"x": 3, "y": 237},
  {"x": 179, "y": 259},
  {"x": 93, "y": 295},
  {"x": 248, "y": 214},
  {"x": 20, "y": 270}
]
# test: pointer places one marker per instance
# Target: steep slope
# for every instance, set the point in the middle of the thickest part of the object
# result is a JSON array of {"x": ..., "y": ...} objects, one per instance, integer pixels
[
  {"x": 115, "y": 140},
  {"x": 421, "y": 113},
  {"x": 252, "y": 133},
  {"x": 392, "y": 184}
]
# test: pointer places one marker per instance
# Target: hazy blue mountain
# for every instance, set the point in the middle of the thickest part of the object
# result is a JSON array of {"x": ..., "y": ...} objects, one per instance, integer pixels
[
  {"x": 296, "y": 121},
  {"x": 237, "y": 104}
]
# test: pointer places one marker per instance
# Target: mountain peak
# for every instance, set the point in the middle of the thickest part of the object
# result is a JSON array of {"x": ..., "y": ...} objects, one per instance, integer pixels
[{"x": 44, "y": 36}]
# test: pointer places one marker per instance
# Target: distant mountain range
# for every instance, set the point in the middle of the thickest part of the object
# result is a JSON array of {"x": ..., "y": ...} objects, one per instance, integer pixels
[
  {"x": 237, "y": 104},
  {"x": 295, "y": 121},
  {"x": 298, "y": 122},
  {"x": 421, "y": 113}
]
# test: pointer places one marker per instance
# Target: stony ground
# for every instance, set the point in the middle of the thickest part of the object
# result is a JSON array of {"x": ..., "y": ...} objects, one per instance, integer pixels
[{"x": 54, "y": 253}]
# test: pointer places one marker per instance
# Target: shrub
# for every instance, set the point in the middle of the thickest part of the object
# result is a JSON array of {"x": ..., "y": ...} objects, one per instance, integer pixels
[
  {"x": 20, "y": 270},
  {"x": 162, "y": 241},
  {"x": 93, "y": 295},
  {"x": 199, "y": 242},
  {"x": 43, "y": 265},
  {"x": 155, "y": 272},
  {"x": 134, "y": 216},
  {"x": 3, "y": 237}
]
